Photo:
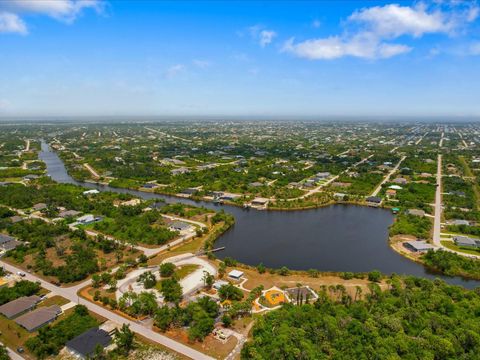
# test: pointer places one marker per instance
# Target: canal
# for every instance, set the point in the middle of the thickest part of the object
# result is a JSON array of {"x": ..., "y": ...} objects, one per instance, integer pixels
[{"x": 334, "y": 238}]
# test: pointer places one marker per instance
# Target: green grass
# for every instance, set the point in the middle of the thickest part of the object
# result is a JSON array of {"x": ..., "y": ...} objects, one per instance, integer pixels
[
  {"x": 451, "y": 245},
  {"x": 185, "y": 270},
  {"x": 54, "y": 300}
]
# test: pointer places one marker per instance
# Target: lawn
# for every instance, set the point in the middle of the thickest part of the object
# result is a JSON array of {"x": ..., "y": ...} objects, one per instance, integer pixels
[
  {"x": 185, "y": 270},
  {"x": 55, "y": 300},
  {"x": 451, "y": 245}
]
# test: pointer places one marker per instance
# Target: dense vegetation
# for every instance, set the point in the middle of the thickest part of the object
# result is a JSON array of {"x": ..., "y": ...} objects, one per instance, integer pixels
[
  {"x": 411, "y": 225},
  {"x": 452, "y": 264},
  {"x": 421, "y": 320}
]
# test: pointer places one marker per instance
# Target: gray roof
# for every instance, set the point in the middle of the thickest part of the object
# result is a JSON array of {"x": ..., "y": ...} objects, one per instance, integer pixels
[
  {"x": 18, "y": 306},
  {"x": 85, "y": 344},
  {"x": 5, "y": 238},
  {"x": 180, "y": 225},
  {"x": 465, "y": 241},
  {"x": 41, "y": 316},
  {"x": 10, "y": 245},
  {"x": 419, "y": 245},
  {"x": 68, "y": 213}
]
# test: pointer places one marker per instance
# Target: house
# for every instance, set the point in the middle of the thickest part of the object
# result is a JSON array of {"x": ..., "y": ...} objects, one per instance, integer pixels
[
  {"x": 302, "y": 292},
  {"x": 322, "y": 175},
  {"x": 84, "y": 345},
  {"x": 39, "y": 206},
  {"x": 400, "y": 180},
  {"x": 416, "y": 212},
  {"x": 465, "y": 241},
  {"x": 180, "y": 226},
  {"x": 222, "y": 334},
  {"x": 230, "y": 196},
  {"x": 179, "y": 171},
  {"x": 259, "y": 202},
  {"x": 88, "y": 219},
  {"x": 235, "y": 274},
  {"x": 418, "y": 246},
  {"x": 459, "y": 222},
  {"x": 15, "y": 219},
  {"x": 395, "y": 187},
  {"x": 91, "y": 192},
  {"x": 391, "y": 193},
  {"x": 19, "y": 306},
  {"x": 373, "y": 201},
  {"x": 8, "y": 242},
  {"x": 68, "y": 213},
  {"x": 219, "y": 283},
  {"x": 339, "y": 196},
  {"x": 33, "y": 320}
]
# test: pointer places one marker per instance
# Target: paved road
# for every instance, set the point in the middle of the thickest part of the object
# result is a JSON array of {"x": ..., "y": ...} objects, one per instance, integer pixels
[
  {"x": 379, "y": 187},
  {"x": 71, "y": 294},
  {"x": 438, "y": 204}
]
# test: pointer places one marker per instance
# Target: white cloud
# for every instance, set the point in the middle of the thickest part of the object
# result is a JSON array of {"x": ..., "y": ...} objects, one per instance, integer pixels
[
  {"x": 262, "y": 35},
  {"x": 372, "y": 30},
  {"x": 11, "y": 23},
  {"x": 266, "y": 37},
  {"x": 174, "y": 70},
  {"x": 363, "y": 46},
  {"x": 62, "y": 10}
]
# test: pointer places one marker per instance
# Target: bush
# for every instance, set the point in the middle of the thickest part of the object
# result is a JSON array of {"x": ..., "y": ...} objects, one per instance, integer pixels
[
  {"x": 374, "y": 276},
  {"x": 167, "y": 269}
]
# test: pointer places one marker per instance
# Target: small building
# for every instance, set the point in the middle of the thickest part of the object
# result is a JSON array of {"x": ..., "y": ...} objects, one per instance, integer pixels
[
  {"x": 91, "y": 192},
  {"x": 219, "y": 283},
  {"x": 322, "y": 175},
  {"x": 400, "y": 180},
  {"x": 39, "y": 206},
  {"x": 395, "y": 187},
  {"x": 303, "y": 293},
  {"x": 373, "y": 201},
  {"x": 465, "y": 241},
  {"x": 132, "y": 202},
  {"x": 179, "y": 171},
  {"x": 235, "y": 274},
  {"x": 459, "y": 222},
  {"x": 416, "y": 212},
  {"x": 19, "y": 306},
  {"x": 418, "y": 246},
  {"x": 88, "y": 219},
  {"x": 83, "y": 346},
  {"x": 8, "y": 242},
  {"x": 395, "y": 210},
  {"x": 180, "y": 226},
  {"x": 42, "y": 316},
  {"x": 68, "y": 213},
  {"x": 339, "y": 196},
  {"x": 260, "y": 202},
  {"x": 391, "y": 193},
  {"x": 222, "y": 334},
  {"x": 15, "y": 219}
]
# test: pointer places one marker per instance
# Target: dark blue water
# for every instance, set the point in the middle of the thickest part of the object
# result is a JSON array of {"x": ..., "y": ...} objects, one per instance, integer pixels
[{"x": 333, "y": 238}]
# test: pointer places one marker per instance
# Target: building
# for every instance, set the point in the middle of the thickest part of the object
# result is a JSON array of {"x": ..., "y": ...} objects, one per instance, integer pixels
[
  {"x": 219, "y": 283},
  {"x": 8, "y": 242},
  {"x": 19, "y": 306},
  {"x": 465, "y": 241},
  {"x": 33, "y": 320},
  {"x": 84, "y": 345},
  {"x": 15, "y": 219},
  {"x": 88, "y": 219},
  {"x": 259, "y": 202},
  {"x": 416, "y": 212},
  {"x": 391, "y": 193},
  {"x": 91, "y": 192},
  {"x": 418, "y": 246},
  {"x": 180, "y": 226},
  {"x": 459, "y": 222},
  {"x": 222, "y": 334},
  {"x": 400, "y": 180},
  {"x": 68, "y": 213},
  {"x": 235, "y": 274},
  {"x": 39, "y": 206},
  {"x": 302, "y": 293},
  {"x": 373, "y": 201}
]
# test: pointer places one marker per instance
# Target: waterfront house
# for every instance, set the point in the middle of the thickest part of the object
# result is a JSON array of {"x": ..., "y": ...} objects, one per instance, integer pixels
[
  {"x": 91, "y": 192},
  {"x": 373, "y": 201},
  {"x": 418, "y": 246}
]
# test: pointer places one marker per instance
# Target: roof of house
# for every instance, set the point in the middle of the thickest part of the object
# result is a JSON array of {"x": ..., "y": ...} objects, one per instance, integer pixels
[
  {"x": 235, "y": 273},
  {"x": 14, "y": 219},
  {"x": 5, "y": 238},
  {"x": 419, "y": 245},
  {"x": 464, "y": 240},
  {"x": 10, "y": 245},
  {"x": 19, "y": 305},
  {"x": 374, "y": 199},
  {"x": 68, "y": 213},
  {"x": 38, "y": 317},
  {"x": 180, "y": 225},
  {"x": 85, "y": 344},
  {"x": 416, "y": 212}
]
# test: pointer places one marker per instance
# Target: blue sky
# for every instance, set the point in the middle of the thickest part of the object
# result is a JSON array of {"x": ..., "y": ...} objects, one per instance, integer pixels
[{"x": 312, "y": 58}]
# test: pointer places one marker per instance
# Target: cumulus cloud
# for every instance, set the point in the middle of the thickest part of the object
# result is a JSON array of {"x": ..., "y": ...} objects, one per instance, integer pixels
[
  {"x": 62, "y": 10},
  {"x": 11, "y": 23},
  {"x": 262, "y": 35},
  {"x": 174, "y": 70},
  {"x": 371, "y": 31}
]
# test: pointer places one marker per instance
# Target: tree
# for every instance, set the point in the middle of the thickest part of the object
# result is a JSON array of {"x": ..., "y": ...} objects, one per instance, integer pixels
[
  {"x": 4, "y": 353},
  {"x": 374, "y": 276},
  {"x": 124, "y": 339},
  {"x": 230, "y": 292},
  {"x": 142, "y": 259},
  {"x": 163, "y": 318},
  {"x": 147, "y": 279},
  {"x": 208, "y": 279},
  {"x": 261, "y": 268},
  {"x": 171, "y": 290},
  {"x": 167, "y": 269},
  {"x": 222, "y": 269},
  {"x": 284, "y": 271},
  {"x": 227, "y": 320}
]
